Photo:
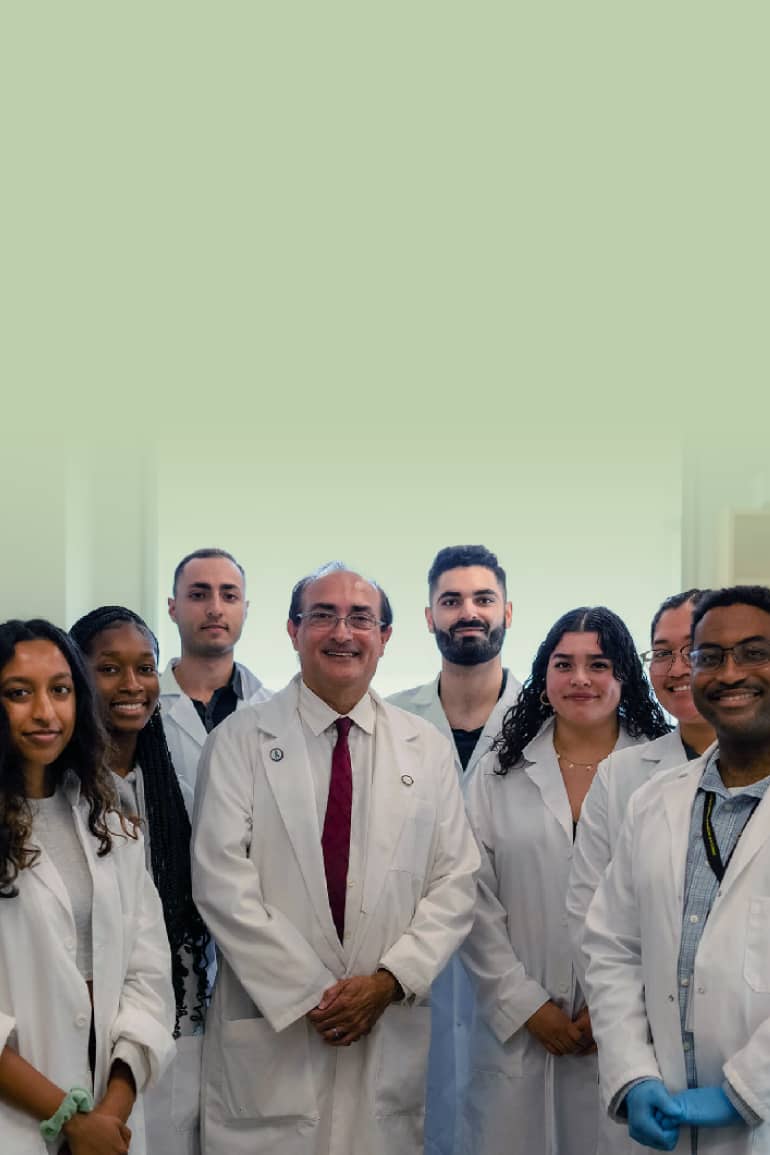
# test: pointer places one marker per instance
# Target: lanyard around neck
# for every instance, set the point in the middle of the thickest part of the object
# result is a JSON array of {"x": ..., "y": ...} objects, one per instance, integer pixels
[{"x": 709, "y": 838}]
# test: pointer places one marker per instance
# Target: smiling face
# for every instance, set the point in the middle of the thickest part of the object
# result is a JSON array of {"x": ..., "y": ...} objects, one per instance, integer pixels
[
  {"x": 734, "y": 699},
  {"x": 38, "y": 695},
  {"x": 579, "y": 680},
  {"x": 338, "y": 663},
  {"x": 672, "y": 687},
  {"x": 209, "y": 607},
  {"x": 468, "y": 615},
  {"x": 125, "y": 673}
]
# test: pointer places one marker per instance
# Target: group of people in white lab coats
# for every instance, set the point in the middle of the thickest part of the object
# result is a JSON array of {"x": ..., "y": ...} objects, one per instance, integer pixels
[{"x": 436, "y": 905}]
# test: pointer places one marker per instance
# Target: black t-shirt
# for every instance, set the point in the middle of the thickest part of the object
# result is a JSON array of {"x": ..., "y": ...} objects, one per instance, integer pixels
[{"x": 465, "y": 740}]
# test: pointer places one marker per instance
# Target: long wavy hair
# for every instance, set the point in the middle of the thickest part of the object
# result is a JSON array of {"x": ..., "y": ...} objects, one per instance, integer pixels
[
  {"x": 84, "y": 755},
  {"x": 167, "y": 823},
  {"x": 638, "y": 710}
]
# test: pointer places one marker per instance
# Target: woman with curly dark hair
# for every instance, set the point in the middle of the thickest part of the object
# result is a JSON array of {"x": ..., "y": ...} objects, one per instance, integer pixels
[
  {"x": 85, "y": 991},
  {"x": 122, "y": 653},
  {"x": 534, "y": 1079}
]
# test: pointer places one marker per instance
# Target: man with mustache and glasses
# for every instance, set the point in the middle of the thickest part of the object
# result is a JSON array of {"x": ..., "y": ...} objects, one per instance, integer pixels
[
  {"x": 678, "y": 934},
  {"x": 335, "y": 866},
  {"x": 206, "y": 684},
  {"x": 468, "y": 614}
]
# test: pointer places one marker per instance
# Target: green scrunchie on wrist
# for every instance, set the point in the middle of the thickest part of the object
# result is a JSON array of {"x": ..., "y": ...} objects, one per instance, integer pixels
[{"x": 76, "y": 1099}]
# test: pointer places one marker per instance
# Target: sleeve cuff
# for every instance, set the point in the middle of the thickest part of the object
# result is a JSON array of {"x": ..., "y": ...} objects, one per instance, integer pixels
[
  {"x": 617, "y": 1108},
  {"x": 748, "y": 1115},
  {"x": 134, "y": 1058}
]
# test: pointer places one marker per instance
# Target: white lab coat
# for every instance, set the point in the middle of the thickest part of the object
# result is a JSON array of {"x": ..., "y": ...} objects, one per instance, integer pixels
[
  {"x": 522, "y": 1100},
  {"x": 601, "y": 818},
  {"x": 185, "y": 732},
  {"x": 271, "y": 1085},
  {"x": 632, "y": 936},
  {"x": 451, "y": 995},
  {"x": 171, "y": 1105},
  {"x": 45, "y": 1010}
]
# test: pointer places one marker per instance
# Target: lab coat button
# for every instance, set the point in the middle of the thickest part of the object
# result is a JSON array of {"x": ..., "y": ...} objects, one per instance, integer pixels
[
  {"x": 685, "y": 982},
  {"x": 69, "y": 944},
  {"x": 694, "y": 918},
  {"x": 671, "y": 998},
  {"x": 701, "y": 990},
  {"x": 81, "y": 1020}
]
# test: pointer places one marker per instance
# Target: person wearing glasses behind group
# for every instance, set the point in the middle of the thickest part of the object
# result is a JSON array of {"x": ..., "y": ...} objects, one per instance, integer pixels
[
  {"x": 624, "y": 772},
  {"x": 334, "y": 865},
  {"x": 86, "y": 1005},
  {"x": 678, "y": 934},
  {"x": 533, "y": 1088}
]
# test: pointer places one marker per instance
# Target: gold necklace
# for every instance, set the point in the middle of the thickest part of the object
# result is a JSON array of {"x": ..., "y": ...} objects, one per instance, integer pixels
[{"x": 570, "y": 765}]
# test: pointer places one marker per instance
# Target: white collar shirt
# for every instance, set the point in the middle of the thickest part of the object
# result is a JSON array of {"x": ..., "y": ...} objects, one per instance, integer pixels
[{"x": 317, "y": 720}]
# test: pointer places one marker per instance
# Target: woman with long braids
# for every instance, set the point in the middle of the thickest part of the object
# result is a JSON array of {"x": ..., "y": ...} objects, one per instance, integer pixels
[
  {"x": 86, "y": 1007},
  {"x": 122, "y": 653},
  {"x": 534, "y": 1079}
]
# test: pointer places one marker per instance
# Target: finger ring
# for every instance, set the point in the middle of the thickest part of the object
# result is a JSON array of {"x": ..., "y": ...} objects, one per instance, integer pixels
[{"x": 336, "y": 1033}]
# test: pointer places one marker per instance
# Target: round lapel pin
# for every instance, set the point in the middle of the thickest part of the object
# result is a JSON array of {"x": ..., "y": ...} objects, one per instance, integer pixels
[{"x": 276, "y": 753}]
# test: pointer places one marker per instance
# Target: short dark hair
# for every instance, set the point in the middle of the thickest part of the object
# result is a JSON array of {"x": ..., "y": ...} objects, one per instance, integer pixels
[
  {"x": 456, "y": 556},
  {"x": 295, "y": 605},
  {"x": 203, "y": 553},
  {"x": 757, "y": 596},
  {"x": 673, "y": 603}
]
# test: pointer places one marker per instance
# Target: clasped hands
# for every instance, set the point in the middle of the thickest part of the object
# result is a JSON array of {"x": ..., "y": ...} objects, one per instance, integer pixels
[
  {"x": 558, "y": 1033},
  {"x": 349, "y": 1009},
  {"x": 655, "y": 1115}
]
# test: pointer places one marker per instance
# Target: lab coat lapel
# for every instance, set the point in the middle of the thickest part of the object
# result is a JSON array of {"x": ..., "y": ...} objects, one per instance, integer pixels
[
  {"x": 494, "y": 723},
  {"x": 754, "y": 837},
  {"x": 394, "y": 793},
  {"x": 542, "y": 767},
  {"x": 291, "y": 781},
  {"x": 678, "y": 798},
  {"x": 179, "y": 707},
  {"x": 45, "y": 871}
]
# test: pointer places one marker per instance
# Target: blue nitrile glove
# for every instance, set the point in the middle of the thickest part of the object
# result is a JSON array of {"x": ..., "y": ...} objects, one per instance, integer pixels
[
  {"x": 653, "y": 1115},
  {"x": 707, "y": 1107}
]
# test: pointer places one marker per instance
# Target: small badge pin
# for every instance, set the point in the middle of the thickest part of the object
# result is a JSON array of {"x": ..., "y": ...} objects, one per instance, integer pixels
[
  {"x": 407, "y": 779},
  {"x": 276, "y": 753}
]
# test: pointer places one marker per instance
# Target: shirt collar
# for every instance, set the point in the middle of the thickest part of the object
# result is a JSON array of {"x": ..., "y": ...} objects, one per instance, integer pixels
[
  {"x": 712, "y": 780},
  {"x": 319, "y": 716}
]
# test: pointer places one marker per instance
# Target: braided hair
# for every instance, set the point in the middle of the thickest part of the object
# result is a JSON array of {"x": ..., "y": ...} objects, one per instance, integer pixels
[
  {"x": 638, "y": 711},
  {"x": 168, "y": 825}
]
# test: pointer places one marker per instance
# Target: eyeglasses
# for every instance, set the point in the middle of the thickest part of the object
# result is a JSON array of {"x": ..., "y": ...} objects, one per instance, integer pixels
[
  {"x": 664, "y": 659},
  {"x": 326, "y": 620},
  {"x": 745, "y": 655}
]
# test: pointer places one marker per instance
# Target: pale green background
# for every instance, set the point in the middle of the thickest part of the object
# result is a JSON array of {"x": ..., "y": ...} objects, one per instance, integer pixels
[{"x": 317, "y": 279}]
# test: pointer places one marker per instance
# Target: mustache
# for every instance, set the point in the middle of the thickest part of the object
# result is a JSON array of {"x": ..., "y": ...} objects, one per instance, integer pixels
[{"x": 470, "y": 623}]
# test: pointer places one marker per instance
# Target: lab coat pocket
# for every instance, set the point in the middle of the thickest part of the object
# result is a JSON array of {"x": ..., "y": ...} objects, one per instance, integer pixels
[
  {"x": 756, "y": 962},
  {"x": 491, "y": 1057},
  {"x": 266, "y": 1074},
  {"x": 186, "y": 1086},
  {"x": 403, "y": 1059},
  {"x": 412, "y": 850}
]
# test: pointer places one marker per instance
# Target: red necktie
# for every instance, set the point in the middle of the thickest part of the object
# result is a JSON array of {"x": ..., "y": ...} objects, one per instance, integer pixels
[{"x": 335, "y": 840}]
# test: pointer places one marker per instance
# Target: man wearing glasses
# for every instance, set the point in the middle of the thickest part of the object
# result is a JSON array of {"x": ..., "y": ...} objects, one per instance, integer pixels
[
  {"x": 334, "y": 865},
  {"x": 678, "y": 934}
]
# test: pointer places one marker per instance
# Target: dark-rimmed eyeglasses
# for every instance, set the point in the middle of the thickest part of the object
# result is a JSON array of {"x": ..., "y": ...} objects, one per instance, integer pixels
[
  {"x": 745, "y": 655},
  {"x": 660, "y": 659},
  {"x": 326, "y": 620}
]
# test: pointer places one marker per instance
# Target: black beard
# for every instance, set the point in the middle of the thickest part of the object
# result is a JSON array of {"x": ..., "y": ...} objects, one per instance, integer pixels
[{"x": 470, "y": 650}]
